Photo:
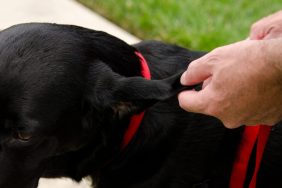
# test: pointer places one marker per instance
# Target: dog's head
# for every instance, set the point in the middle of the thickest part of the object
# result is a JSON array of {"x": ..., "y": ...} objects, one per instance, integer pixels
[{"x": 59, "y": 87}]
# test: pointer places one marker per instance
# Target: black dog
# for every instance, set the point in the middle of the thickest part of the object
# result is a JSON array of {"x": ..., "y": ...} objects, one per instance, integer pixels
[{"x": 67, "y": 95}]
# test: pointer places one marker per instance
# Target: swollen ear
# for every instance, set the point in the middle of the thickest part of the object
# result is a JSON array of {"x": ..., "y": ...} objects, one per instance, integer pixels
[
  {"x": 140, "y": 89},
  {"x": 133, "y": 95},
  {"x": 130, "y": 95}
]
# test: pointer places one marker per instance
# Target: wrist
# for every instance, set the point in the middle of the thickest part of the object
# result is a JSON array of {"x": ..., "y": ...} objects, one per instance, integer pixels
[
  {"x": 273, "y": 54},
  {"x": 272, "y": 51}
]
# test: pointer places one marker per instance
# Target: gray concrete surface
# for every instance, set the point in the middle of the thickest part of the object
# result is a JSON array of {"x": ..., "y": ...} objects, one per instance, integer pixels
[
  {"x": 57, "y": 11},
  {"x": 63, "y": 183}
]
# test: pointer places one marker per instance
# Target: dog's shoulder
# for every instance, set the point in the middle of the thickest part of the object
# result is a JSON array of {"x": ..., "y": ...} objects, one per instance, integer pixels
[{"x": 166, "y": 59}]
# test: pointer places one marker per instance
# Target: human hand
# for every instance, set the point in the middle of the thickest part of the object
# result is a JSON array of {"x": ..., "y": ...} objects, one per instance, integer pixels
[
  {"x": 268, "y": 27},
  {"x": 242, "y": 83}
]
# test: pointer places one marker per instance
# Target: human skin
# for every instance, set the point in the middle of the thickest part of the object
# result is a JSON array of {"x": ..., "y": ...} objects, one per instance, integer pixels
[
  {"x": 242, "y": 83},
  {"x": 268, "y": 27}
]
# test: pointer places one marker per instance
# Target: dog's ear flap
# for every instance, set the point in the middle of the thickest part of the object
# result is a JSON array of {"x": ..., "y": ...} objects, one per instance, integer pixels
[{"x": 129, "y": 95}]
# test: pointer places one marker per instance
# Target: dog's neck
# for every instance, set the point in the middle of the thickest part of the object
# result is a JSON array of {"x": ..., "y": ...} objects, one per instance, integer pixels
[
  {"x": 118, "y": 134},
  {"x": 136, "y": 120}
]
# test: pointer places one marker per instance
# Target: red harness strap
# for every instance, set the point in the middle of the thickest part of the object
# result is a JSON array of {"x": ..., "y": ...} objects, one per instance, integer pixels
[
  {"x": 251, "y": 135},
  {"x": 136, "y": 119}
]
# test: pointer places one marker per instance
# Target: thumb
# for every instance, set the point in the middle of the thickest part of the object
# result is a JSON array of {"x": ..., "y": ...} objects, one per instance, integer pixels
[{"x": 193, "y": 101}]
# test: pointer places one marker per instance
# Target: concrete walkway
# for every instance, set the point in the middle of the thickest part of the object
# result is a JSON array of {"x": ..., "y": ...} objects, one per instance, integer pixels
[{"x": 57, "y": 11}]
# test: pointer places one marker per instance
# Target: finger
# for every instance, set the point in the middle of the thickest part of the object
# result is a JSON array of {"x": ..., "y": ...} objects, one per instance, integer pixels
[
  {"x": 206, "y": 82},
  {"x": 256, "y": 35},
  {"x": 231, "y": 124},
  {"x": 192, "y": 101},
  {"x": 197, "y": 72},
  {"x": 272, "y": 35},
  {"x": 269, "y": 36},
  {"x": 257, "y": 32}
]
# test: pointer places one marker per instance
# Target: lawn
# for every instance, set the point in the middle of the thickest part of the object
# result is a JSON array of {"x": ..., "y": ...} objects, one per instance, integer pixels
[{"x": 196, "y": 24}]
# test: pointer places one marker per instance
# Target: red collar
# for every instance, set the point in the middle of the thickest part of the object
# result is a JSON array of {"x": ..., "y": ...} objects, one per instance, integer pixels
[{"x": 136, "y": 120}]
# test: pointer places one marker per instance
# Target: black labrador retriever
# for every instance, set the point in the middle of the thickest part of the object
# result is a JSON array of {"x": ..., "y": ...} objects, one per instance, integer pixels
[{"x": 67, "y": 98}]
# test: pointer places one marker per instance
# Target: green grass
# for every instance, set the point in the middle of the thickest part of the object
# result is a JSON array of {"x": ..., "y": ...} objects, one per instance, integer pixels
[{"x": 196, "y": 24}]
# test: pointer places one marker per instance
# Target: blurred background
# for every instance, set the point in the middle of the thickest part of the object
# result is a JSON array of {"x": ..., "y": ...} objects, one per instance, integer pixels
[{"x": 195, "y": 24}]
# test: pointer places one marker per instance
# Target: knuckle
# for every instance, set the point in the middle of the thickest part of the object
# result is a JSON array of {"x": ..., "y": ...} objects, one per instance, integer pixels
[
  {"x": 192, "y": 64},
  {"x": 213, "y": 58},
  {"x": 216, "y": 55},
  {"x": 231, "y": 124},
  {"x": 207, "y": 60},
  {"x": 254, "y": 26}
]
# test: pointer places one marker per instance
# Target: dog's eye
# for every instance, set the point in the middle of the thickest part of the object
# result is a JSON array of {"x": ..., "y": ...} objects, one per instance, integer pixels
[{"x": 23, "y": 136}]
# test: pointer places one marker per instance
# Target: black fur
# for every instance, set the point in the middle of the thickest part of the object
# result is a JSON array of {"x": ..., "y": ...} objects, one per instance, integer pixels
[{"x": 73, "y": 90}]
